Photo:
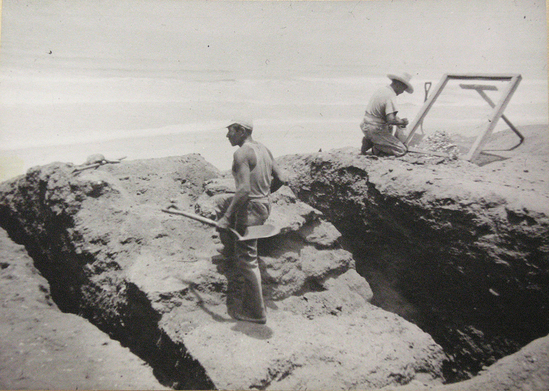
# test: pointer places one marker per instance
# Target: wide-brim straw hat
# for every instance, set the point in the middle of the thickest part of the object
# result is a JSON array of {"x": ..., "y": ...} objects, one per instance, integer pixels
[{"x": 403, "y": 78}]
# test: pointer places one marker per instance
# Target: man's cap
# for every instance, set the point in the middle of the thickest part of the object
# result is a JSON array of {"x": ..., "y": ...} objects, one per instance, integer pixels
[
  {"x": 405, "y": 79},
  {"x": 245, "y": 123}
]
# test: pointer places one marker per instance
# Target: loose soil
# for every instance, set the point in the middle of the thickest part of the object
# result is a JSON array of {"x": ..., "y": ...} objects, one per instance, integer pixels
[{"x": 40, "y": 342}]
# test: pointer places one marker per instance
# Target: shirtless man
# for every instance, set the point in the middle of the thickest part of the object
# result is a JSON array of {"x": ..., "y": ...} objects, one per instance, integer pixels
[{"x": 256, "y": 176}]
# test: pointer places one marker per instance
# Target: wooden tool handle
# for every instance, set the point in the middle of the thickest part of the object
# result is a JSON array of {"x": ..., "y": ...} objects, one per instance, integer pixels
[
  {"x": 201, "y": 219},
  {"x": 190, "y": 215}
]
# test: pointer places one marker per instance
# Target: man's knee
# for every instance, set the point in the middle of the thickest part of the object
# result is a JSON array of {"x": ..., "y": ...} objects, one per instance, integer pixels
[
  {"x": 394, "y": 150},
  {"x": 399, "y": 134}
]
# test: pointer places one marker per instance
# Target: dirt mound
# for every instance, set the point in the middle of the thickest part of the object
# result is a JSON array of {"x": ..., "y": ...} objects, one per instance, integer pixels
[{"x": 156, "y": 283}]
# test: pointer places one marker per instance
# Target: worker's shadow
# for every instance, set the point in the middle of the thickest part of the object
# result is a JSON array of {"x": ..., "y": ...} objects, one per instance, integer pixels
[
  {"x": 253, "y": 330},
  {"x": 200, "y": 303}
]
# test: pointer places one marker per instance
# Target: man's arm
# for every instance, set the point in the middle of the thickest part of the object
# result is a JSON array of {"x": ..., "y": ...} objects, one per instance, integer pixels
[
  {"x": 279, "y": 178},
  {"x": 392, "y": 119},
  {"x": 241, "y": 168}
]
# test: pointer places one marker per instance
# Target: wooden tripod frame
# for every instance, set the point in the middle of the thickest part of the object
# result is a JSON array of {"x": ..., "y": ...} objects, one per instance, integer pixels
[{"x": 497, "y": 112}]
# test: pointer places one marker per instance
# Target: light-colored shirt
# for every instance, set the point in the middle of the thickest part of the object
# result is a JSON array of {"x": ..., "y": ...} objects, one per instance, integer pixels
[{"x": 381, "y": 104}]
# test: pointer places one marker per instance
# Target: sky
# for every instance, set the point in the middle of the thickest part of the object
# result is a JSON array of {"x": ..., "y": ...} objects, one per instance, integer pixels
[{"x": 265, "y": 39}]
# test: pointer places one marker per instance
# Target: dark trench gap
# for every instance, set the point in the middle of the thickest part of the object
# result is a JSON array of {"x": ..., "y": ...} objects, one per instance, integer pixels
[
  {"x": 474, "y": 329},
  {"x": 134, "y": 323},
  {"x": 388, "y": 296},
  {"x": 425, "y": 266}
]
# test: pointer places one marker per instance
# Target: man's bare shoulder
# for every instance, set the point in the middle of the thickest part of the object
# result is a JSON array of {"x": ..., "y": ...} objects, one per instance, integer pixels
[{"x": 244, "y": 153}]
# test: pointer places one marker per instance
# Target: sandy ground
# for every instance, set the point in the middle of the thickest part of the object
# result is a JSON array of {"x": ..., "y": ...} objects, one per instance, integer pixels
[{"x": 39, "y": 342}]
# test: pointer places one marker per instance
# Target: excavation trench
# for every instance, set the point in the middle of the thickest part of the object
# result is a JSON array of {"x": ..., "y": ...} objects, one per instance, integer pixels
[
  {"x": 475, "y": 281},
  {"x": 463, "y": 263},
  {"x": 125, "y": 313},
  {"x": 122, "y": 311},
  {"x": 472, "y": 332}
]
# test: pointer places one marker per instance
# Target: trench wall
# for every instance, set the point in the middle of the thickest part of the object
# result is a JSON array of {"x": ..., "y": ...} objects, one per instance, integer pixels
[
  {"x": 472, "y": 260},
  {"x": 156, "y": 283},
  {"x": 84, "y": 281}
]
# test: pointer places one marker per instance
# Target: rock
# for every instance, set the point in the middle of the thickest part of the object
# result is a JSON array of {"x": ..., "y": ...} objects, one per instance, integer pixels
[
  {"x": 322, "y": 234},
  {"x": 525, "y": 370},
  {"x": 220, "y": 185}
]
